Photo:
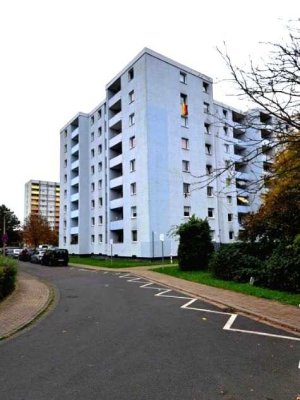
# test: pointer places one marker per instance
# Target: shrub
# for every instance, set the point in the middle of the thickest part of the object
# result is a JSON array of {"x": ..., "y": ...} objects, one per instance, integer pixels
[
  {"x": 233, "y": 262},
  {"x": 8, "y": 273},
  {"x": 195, "y": 246},
  {"x": 282, "y": 269}
]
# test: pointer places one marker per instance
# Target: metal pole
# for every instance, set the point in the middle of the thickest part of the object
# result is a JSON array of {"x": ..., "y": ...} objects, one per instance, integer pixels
[
  {"x": 111, "y": 251},
  {"x": 152, "y": 244},
  {"x": 162, "y": 251},
  {"x": 4, "y": 235}
]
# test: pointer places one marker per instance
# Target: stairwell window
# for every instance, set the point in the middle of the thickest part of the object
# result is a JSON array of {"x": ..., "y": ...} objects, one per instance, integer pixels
[
  {"x": 182, "y": 77},
  {"x": 208, "y": 148},
  {"x": 92, "y": 120},
  {"x": 99, "y": 131},
  {"x": 134, "y": 236},
  {"x": 100, "y": 149},
  {"x": 92, "y": 187},
  {"x": 131, "y": 96},
  {"x": 131, "y": 74},
  {"x": 133, "y": 188},
  {"x": 209, "y": 169},
  {"x": 100, "y": 184},
  {"x": 100, "y": 167},
  {"x": 225, "y": 128},
  {"x": 92, "y": 203},
  {"x": 207, "y": 128},
  {"x": 206, "y": 108},
  {"x": 100, "y": 202},
  {"x": 186, "y": 189},
  {"x": 211, "y": 212},
  {"x": 231, "y": 235},
  {"x": 132, "y": 165},
  {"x": 131, "y": 119},
  {"x": 132, "y": 142},
  {"x": 93, "y": 221},
  {"x": 100, "y": 238},
  {"x": 185, "y": 166},
  {"x": 133, "y": 212},
  {"x": 205, "y": 87},
  {"x": 92, "y": 153},
  {"x": 100, "y": 220},
  {"x": 210, "y": 191},
  {"x": 230, "y": 217},
  {"x": 226, "y": 148},
  {"x": 92, "y": 238},
  {"x": 184, "y": 143},
  {"x": 92, "y": 136},
  {"x": 186, "y": 211},
  {"x": 229, "y": 199}
]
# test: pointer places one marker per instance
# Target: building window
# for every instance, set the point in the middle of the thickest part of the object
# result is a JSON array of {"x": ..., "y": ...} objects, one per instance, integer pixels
[
  {"x": 92, "y": 169},
  {"x": 92, "y": 136},
  {"x": 182, "y": 77},
  {"x": 65, "y": 148},
  {"x": 92, "y": 186},
  {"x": 133, "y": 188},
  {"x": 65, "y": 133},
  {"x": 130, "y": 74},
  {"x": 100, "y": 220},
  {"x": 230, "y": 217},
  {"x": 185, "y": 166},
  {"x": 207, "y": 128},
  {"x": 227, "y": 164},
  {"x": 231, "y": 235},
  {"x": 99, "y": 113},
  {"x": 185, "y": 143},
  {"x": 132, "y": 165},
  {"x": 65, "y": 240},
  {"x": 65, "y": 193},
  {"x": 210, "y": 213},
  {"x": 92, "y": 203},
  {"x": 225, "y": 128},
  {"x": 65, "y": 178},
  {"x": 186, "y": 188},
  {"x": 209, "y": 169},
  {"x": 100, "y": 167},
  {"x": 226, "y": 148},
  {"x": 186, "y": 211},
  {"x": 205, "y": 87},
  {"x": 100, "y": 184},
  {"x": 131, "y": 97},
  {"x": 100, "y": 149},
  {"x": 134, "y": 236},
  {"x": 100, "y": 238},
  {"x": 132, "y": 142},
  {"x": 206, "y": 107},
  {"x": 93, "y": 238},
  {"x": 184, "y": 122},
  {"x": 212, "y": 235},
  {"x": 210, "y": 191},
  {"x": 99, "y": 131},
  {"x": 208, "y": 148},
  {"x": 131, "y": 119},
  {"x": 228, "y": 182},
  {"x": 92, "y": 153},
  {"x": 229, "y": 199},
  {"x": 92, "y": 120},
  {"x": 93, "y": 221},
  {"x": 100, "y": 202},
  {"x": 225, "y": 113},
  {"x": 66, "y": 163},
  {"x": 183, "y": 105},
  {"x": 133, "y": 212}
]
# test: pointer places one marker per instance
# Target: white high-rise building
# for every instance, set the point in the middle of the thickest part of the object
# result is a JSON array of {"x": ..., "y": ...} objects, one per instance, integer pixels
[{"x": 157, "y": 150}]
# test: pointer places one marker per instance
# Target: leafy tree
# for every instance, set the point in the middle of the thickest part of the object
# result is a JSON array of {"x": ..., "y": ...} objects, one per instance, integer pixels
[
  {"x": 195, "y": 245},
  {"x": 12, "y": 225},
  {"x": 36, "y": 230},
  {"x": 279, "y": 215}
]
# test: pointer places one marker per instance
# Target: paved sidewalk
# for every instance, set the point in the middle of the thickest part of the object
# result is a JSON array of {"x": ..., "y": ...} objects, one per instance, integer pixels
[
  {"x": 269, "y": 311},
  {"x": 30, "y": 298}
]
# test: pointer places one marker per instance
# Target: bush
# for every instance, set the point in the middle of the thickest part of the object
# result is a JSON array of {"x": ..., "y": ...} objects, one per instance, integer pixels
[
  {"x": 195, "y": 246},
  {"x": 282, "y": 269},
  {"x": 233, "y": 262},
  {"x": 8, "y": 274}
]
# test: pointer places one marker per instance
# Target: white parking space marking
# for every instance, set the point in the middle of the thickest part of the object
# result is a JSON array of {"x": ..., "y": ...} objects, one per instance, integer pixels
[{"x": 227, "y": 327}]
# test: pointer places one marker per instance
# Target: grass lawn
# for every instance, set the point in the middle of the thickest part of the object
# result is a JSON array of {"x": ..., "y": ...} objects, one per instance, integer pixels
[
  {"x": 115, "y": 263},
  {"x": 206, "y": 278}
]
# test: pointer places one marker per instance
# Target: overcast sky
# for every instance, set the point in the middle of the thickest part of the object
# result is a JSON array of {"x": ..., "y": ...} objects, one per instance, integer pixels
[{"x": 57, "y": 56}]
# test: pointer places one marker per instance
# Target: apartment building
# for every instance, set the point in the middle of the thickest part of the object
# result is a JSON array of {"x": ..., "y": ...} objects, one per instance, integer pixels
[
  {"x": 42, "y": 197},
  {"x": 158, "y": 149}
]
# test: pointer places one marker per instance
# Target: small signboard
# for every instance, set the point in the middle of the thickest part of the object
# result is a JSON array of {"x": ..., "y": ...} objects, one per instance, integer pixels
[
  {"x": 111, "y": 241},
  {"x": 162, "y": 237}
]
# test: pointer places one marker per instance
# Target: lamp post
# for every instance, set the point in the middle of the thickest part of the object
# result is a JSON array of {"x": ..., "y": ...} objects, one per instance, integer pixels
[{"x": 4, "y": 236}]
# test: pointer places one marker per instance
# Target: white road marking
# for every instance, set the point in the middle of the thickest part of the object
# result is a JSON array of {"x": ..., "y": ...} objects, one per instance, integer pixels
[{"x": 227, "y": 326}]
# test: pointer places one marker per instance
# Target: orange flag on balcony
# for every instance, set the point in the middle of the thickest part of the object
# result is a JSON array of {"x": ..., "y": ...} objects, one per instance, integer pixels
[{"x": 184, "y": 110}]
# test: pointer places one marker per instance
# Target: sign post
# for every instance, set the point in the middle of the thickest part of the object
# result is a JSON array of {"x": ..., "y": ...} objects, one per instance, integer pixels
[
  {"x": 162, "y": 239},
  {"x": 111, "y": 249}
]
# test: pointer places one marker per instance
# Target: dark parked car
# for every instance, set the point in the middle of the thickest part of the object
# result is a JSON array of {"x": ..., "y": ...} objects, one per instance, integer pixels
[
  {"x": 25, "y": 255},
  {"x": 55, "y": 257}
]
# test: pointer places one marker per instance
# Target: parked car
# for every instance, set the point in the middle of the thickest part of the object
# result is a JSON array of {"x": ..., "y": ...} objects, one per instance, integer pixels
[
  {"x": 55, "y": 257},
  {"x": 25, "y": 255},
  {"x": 12, "y": 252},
  {"x": 37, "y": 256}
]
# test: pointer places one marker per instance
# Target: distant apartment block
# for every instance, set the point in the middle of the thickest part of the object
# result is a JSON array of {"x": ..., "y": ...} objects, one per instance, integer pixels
[
  {"x": 158, "y": 149},
  {"x": 43, "y": 198}
]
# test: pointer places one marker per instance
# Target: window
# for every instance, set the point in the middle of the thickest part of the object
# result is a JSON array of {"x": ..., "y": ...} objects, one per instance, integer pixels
[
  {"x": 100, "y": 149},
  {"x": 92, "y": 186},
  {"x": 210, "y": 191},
  {"x": 100, "y": 220},
  {"x": 212, "y": 235},
  {"x": 230, "y": 217},
  {"x": 209, "y": 169},
  {"x": 65, "y": 133},
  {"x": 229, "y": 199},
  {"x": 100, "y": 202},
  {"x": 131, "y": 119},
  {"x": 231, "y": 235},
  {"x": 133, "y": 212},
  {"x": 208, "y": 148},
  {"x": 92, "y": 238},
  {"x": 227, "y": 164},
  {"x": 66, "y": 163},
  {"x": 132, "y": 142},
  {"x": 185, "y": 166},
  {"x": 65, "y": 208},
  {"x": 99, "y": 113},
  {"x": 131, "y": 96},
  {"x": 182, "y": 77},
  {"x": 206, "y": 107},
  {"x": 65, "y": 148},
  {"x": 133, "y": 188},
  {"x": 92, "y": 136},
  {"x": 99, "y": 166},
  {"x": 92, "y": 203},
  {"x": 185, "y": 143},
  {"x": 92, "y": 153},
  {"x": 225, "y": 128},
  {"x": 228, "y": 182},
  {"x": 65, "y": 193},
  {"x": 184, "y": 122},
  {"x": 65, "y": 224},
  {"x": 99, "y": 131},
  {"x": 92, "y": 169},
  {"x": 65, "y": 178},
  {"x": 130, "y": 74},
  {"x": 93, "y": 221},
  {"x": 134, "y": 236},
  {"x": 225, "y": 113},
  {"x": 105, "y": 126},
  {"x": 207, "y": 128},
  {"x": 226, "y": 148},
  {"x": 132, "y": 165},
  {"x": 205, "y": 87},
  {"x": 186, "y": 188},
  {"x": 210, "y": 213},
  {"x": 100, "y": 238},
  {"x": 100, "y": 184},
  {"x": 92, "y": 120},
  {"x": 186, "y": 211}
]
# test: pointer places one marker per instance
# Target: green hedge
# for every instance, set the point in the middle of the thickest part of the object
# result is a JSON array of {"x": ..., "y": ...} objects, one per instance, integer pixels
[{"x": 8, "y": 274}]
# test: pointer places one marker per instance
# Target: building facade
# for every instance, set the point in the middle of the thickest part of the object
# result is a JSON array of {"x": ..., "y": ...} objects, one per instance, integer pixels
[
  {"x": 158, "y": 149},
  {"x": 42, "y": 197}
]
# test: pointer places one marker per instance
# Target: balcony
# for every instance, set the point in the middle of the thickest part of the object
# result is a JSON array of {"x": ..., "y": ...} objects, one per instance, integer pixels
[
  {"x": 75, "y": 133},
  {"x": 74, "y": 197},
  {"x": 75, "y": 148},
  {"x": 114, "y": 99},
  {"x": 75, "y": 181},
  {"x": 242, "y": 175},
  {"x": 116, "y": 225},
  {"x": 116, "y": 182},
  {"x": 243, "y": 209},
  {"x": 74, "y": 230},
  {"x": 115, "y": 120},
  {"x": 75, "y": 165},
  {"x": 75, "y": 214},
  {"x": 117, "y": 203},
  {"x": 115, "y": 161},
  {"x": 115, "y": 140}
]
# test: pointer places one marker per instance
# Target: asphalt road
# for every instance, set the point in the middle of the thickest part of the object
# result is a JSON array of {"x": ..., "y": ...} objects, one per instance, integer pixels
[{"x": 108, "y": 339}]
